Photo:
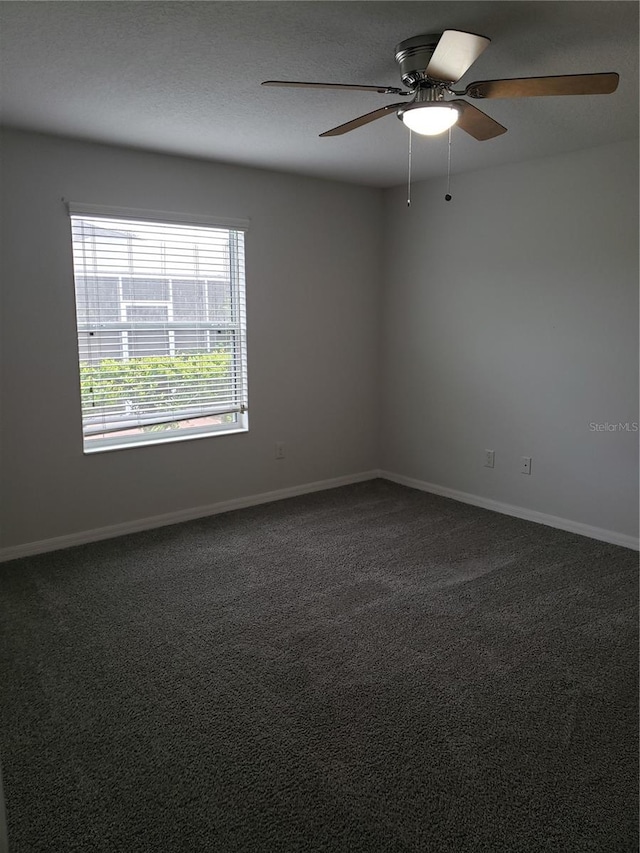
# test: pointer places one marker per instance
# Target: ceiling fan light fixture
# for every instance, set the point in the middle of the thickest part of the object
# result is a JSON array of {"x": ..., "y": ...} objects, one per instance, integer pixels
[{"x": 429, "y": 119}]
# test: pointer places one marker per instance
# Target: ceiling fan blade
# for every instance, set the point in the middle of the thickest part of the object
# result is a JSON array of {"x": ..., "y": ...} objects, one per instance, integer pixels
[
  {"x": 382, "y": 90},
  {"x": 365, "y": 119},
  {"x": 476, "y": 123},
  {"x": 531, "y": 87},
  {"x": 455, "y": 53}
]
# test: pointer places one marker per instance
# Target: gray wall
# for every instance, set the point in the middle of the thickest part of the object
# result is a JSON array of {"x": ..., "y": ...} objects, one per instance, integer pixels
[
  {"x": 313, "y": 276},
  {"x": 508, "y": 320},
  {"x": 512, "y": 324}
]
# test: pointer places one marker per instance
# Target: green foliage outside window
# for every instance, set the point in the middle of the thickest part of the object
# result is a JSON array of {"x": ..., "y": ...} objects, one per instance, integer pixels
[{"x": 153, "y": 383}]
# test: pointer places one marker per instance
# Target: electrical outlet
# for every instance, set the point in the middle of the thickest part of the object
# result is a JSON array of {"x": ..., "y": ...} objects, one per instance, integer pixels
[
  {"x": 489, "y": 458},
  {"x": 279, "y": 450},
  {"x": 525, "y": 467}
]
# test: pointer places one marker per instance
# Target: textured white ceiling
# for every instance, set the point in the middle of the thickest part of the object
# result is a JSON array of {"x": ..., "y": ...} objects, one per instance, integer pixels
[{"x": 184, "y": 78}]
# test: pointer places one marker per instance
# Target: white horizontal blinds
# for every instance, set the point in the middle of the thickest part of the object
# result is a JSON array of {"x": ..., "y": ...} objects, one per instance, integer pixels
[{"x": 161, "y": 318}]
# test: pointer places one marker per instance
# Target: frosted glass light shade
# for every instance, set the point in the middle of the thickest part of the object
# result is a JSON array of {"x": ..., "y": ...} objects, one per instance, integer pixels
[{"x": 430, "y": 119}]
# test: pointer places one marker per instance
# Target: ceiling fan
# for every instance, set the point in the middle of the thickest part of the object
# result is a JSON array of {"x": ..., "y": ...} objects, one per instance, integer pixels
[{"x": 431, "y": 64}]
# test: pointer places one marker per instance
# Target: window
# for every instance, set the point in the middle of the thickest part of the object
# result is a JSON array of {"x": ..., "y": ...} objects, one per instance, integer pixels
[{"x": 160, "y": 308}]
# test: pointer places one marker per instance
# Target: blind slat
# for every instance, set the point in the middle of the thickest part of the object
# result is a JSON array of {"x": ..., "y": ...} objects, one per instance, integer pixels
[
  {"x": 149, "y": 218},
  {"x": 120, "y": 425}
]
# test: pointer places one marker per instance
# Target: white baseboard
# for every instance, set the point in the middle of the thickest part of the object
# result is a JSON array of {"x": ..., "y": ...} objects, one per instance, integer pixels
[
  {"x": 44, "y": 545},
  {"x": 113, "y": 530},
  {"x": 600, "y": 533}
]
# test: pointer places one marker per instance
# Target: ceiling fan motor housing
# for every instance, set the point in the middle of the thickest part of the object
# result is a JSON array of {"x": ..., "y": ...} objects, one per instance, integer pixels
[{"x": 413, "y": 55}]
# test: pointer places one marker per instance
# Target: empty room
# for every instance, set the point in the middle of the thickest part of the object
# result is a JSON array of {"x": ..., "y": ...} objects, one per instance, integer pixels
[{"x": 319, "y": 427}]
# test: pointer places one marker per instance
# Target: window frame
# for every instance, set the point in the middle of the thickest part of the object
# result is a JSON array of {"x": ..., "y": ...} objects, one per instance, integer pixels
[{"x": 237, "y": 328}]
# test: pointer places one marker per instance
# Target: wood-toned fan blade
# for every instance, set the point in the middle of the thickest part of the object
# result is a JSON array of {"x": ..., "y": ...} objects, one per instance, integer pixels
[
  {"x": 532, "y": 87},
  {"x": 476, "y": 123},
  {"x": 365, "y": 119},
  {"x": 455, "y": 53},
  {"x": 382, "y": 90}
]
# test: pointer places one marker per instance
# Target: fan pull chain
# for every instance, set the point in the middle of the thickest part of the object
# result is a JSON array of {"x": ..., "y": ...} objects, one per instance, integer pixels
[
  {"x": 448, "y": 194},
  {"x": 409, "y": 175}
]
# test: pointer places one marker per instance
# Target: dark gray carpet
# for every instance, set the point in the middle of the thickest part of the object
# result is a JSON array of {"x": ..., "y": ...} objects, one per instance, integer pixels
[{"x": 365, "y": 669}]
